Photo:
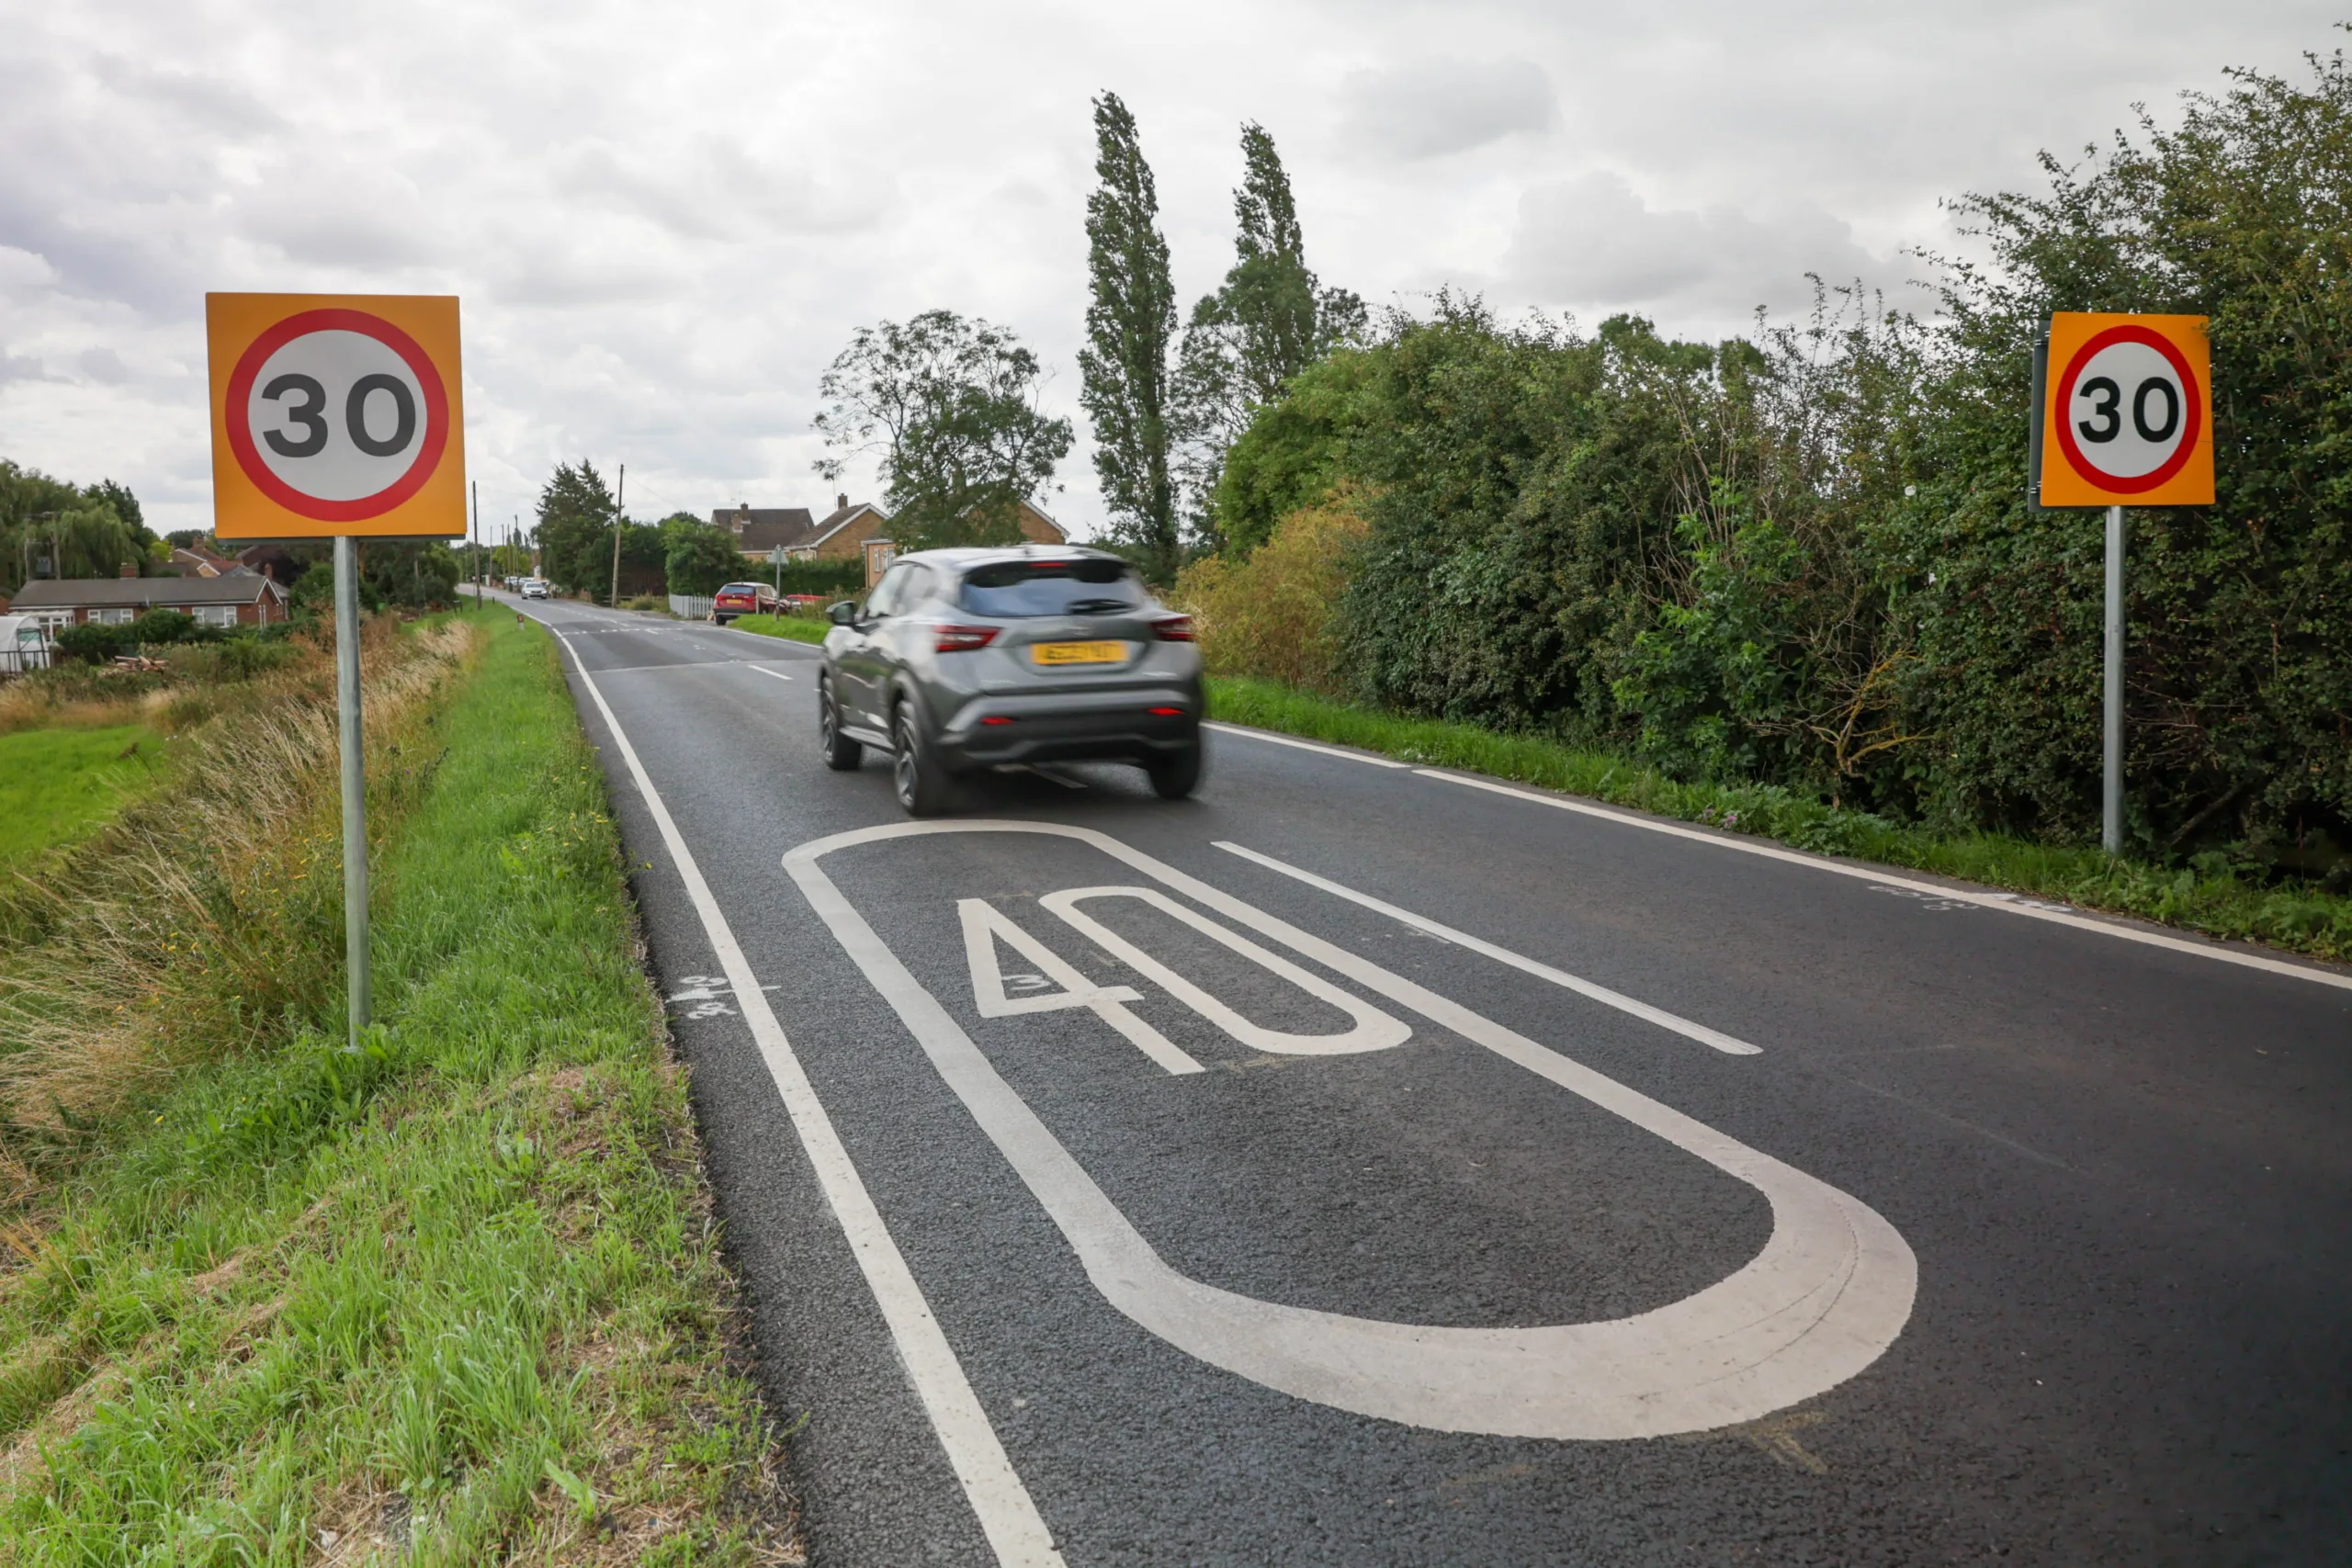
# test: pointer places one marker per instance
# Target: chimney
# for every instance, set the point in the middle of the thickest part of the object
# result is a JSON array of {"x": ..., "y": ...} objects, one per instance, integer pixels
[
  {"x": 128, "y": 569},
  {"x": 841, "y": 501}
]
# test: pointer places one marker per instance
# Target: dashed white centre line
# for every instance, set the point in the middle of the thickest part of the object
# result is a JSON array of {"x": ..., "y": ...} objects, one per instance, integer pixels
[{"x": 1581, "y": 986}]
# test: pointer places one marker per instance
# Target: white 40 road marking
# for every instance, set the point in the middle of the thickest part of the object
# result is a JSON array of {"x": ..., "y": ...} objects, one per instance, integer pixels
[{"x": 1828, "y": 1292}]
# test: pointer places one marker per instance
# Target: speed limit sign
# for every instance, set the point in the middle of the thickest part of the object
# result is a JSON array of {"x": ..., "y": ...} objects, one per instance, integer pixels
[
  {"x": 336, "y": 414},
  {"x": 2128, "y": 412}
]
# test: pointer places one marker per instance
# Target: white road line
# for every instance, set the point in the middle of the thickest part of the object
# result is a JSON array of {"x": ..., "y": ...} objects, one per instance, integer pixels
[
  {"x": 1582, "y": 987},
  {"x": 1831, "y": 1289},
  {"x": 2014, "y": 903},
  {"x": 1007, "y": 1515},
  {"x": 763, "y": 669},
  {"x": 1304, "y": 745}
]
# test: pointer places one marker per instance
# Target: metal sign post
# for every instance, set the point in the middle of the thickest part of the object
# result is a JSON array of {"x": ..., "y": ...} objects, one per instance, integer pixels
[
  {"x": 2123, "y": 410},
  {"x": 355, "y": 780},
  {"x": 2111, "y": 833}
]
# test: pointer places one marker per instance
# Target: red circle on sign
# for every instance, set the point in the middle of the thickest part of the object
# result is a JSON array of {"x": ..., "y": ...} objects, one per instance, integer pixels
[
  {"x": 2191, "y": 417},
  {"x": 249, "y": 459}
]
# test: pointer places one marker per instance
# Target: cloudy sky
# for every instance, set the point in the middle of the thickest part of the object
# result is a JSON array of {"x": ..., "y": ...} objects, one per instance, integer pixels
[{"x": 664, "y": 218}]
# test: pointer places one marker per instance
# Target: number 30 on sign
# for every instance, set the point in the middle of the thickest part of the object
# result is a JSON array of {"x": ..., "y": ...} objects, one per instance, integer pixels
[
  {"x": 336, "y": 414},
  {"x": 2128, "y": 414}
]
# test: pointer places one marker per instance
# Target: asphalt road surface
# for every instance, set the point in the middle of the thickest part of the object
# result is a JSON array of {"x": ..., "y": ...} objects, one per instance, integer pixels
[{"x": 1358, "y": 1166}]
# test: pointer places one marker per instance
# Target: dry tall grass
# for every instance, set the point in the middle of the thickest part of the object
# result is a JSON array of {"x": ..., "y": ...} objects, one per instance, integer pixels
[
  {"x": 1270, "y": 613},
  {"x": 208, "y": 915}
]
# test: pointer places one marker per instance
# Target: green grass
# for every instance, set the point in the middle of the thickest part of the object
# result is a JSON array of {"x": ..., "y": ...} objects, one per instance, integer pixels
[
  {"x": 58, "y": 784},
  {"x": 459, "y": 1289},
  {"x": 793, "y": 628},
  {"x": 2206, "y": 897}
]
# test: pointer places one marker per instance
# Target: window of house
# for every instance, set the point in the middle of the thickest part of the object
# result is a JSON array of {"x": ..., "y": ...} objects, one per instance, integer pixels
[
  {"x": 215, "y": 614},
  {"x": 113, "y": 617}
]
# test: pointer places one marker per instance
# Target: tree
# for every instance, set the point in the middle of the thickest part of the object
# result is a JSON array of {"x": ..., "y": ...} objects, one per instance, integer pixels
[
  {"x": 575, "y": 528},
  {"x": 696, "y": 556},
  {"x": 1130, "y": 327},
  {"x": 91, "y": 532},
  {"x": 950, "y": 407},
  {"x": 1266, "y": 323}
]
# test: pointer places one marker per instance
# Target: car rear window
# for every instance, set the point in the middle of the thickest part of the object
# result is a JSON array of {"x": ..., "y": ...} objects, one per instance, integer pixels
[
  {"x": 741, "y": 588},
  {"x": 1011, "y": 588}
]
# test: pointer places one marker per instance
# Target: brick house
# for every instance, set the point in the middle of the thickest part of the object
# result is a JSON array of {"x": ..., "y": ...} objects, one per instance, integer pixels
[
  {"x": 880, "y": 552},
  {"x": 848, "y": 533},
  {"x": 238, "y": 599}
]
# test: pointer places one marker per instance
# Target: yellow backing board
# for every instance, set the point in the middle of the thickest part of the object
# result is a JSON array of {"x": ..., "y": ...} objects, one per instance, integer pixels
[
  {"x": 2115, "y": 381},
  {"x": 337, "y": 413}
]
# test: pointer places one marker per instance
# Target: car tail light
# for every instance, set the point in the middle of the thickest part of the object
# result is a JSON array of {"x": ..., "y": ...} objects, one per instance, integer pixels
[
  {"x": 1167, "y": 712},
  {"x": 964, "y": 639},
  {"x": 1173, "y": 629},
  {"x": 996, "y": 718}
]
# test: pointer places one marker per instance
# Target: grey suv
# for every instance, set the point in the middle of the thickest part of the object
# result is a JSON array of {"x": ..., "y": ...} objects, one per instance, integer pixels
[{"x": 963, "y": 659}]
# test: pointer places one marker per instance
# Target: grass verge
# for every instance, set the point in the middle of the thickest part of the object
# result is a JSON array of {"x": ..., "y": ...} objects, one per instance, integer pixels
[
  {"x": 793, "y": 628},
  {"x": 2214, "y": 900},
  {"x": 452, "y": 1299},
  {"x": 57, "y": 785}
]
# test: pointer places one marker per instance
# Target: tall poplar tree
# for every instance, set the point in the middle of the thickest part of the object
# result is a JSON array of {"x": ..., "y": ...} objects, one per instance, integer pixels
[
  {"x": 1130, "y": 329},
  {"x": 1266, "y": 323}
]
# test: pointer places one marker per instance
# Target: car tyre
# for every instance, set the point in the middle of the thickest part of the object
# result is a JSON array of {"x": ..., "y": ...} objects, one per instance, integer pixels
[
  {"x": 1177, "y": 774},
  {"x": 842, "y": 753},
  {"x": 922, "y": 785}
]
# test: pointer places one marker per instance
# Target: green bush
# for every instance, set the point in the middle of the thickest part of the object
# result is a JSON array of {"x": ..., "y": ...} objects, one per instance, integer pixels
[{"x": 1804, "y": 559}]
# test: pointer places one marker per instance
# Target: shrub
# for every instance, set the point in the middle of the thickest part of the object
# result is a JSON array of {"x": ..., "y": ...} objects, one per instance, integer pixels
[{"x": 1271, "y": 612}]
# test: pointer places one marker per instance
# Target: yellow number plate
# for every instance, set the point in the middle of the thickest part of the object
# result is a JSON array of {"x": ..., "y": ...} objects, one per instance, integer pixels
[{"x": 1079, "y": 652}]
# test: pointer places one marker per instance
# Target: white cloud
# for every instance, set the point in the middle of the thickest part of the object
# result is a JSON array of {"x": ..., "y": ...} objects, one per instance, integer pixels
[
  {"x": 1592, "y": 243},
  {"x": 1437, "y": 107},
  {"x": 663, "y": 221}
]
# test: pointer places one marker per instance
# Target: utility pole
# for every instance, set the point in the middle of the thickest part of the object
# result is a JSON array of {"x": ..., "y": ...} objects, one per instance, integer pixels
[
  {"x": 473, "y": 538},
  {"x": 620, "y": 521}
]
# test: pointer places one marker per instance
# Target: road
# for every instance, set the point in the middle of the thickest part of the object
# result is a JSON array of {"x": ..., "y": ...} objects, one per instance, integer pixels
[{"x": 1358, "y": 1166}]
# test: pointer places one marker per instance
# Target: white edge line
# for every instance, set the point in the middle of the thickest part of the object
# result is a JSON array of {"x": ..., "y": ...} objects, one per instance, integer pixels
[
  {"x": 1726, "y": 1043},
  {"x": 1302, "y": 745},
  {"x": 1008, "y": 1516},
  {"x": 763, "y": 669},
  {"x": 2012, "y": 903}
]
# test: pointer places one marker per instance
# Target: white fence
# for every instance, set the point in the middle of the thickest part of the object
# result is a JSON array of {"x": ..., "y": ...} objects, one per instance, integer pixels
[{"x": 690, "y": 607}]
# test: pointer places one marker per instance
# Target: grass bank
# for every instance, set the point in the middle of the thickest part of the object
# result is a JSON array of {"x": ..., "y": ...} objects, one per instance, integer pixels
[
  {"x": 58, "y": 784},
  {"x": 793, "y": 628},
  {"x": 453, "y": 1298},
  {"x": 2206, "y": 897}
]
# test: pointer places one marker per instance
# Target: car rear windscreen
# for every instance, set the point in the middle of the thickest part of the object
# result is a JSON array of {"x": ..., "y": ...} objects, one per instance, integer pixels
[
  {"x": 741, "y": 588},
  {"x": 1010, "y": 588}
]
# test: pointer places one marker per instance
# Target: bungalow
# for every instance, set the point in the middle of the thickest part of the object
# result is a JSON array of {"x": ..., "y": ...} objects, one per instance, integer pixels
[
  {"x": 802, "y": 537},
  {"x": 243, "y": 599},
  {"x": 846, "y": 534},
  {"x": 1036, "y": 527}
]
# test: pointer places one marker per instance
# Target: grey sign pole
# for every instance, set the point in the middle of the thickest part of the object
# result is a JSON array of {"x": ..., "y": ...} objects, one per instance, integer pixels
[
  {"x": 355, "y": 780},
  {"x": 2111, "y": 817}
]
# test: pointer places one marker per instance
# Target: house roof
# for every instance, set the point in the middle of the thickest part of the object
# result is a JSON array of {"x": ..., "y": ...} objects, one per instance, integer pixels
[
  {"x": 759, "y": 529},
  {"x": 838, "y": 519},
  {"x": 143, "y": 593}
]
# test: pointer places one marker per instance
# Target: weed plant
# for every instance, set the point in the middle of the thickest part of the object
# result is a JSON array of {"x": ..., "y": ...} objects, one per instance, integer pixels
[
  {"x": 792, "y": 629},
  {"x": 450, "y": 1298}
]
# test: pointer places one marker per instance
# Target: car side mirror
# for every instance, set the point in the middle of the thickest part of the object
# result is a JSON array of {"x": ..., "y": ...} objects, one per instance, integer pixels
[{"x": 843, "y": 614}]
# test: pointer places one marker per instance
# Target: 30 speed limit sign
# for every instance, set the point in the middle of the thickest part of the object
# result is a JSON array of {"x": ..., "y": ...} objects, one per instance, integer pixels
[
  {"x": 2128, "y": 412},
  {"x": 336, "y": 414}
]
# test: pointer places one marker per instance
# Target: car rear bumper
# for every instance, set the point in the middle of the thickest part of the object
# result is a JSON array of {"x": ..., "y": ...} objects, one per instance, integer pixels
[{"x": 1098, "y": 727}]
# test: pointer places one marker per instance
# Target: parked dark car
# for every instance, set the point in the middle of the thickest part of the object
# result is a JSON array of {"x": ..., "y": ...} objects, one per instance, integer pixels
[
  {"x": 743, "y": 599},
  {"x": 963, "y": 659}
]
